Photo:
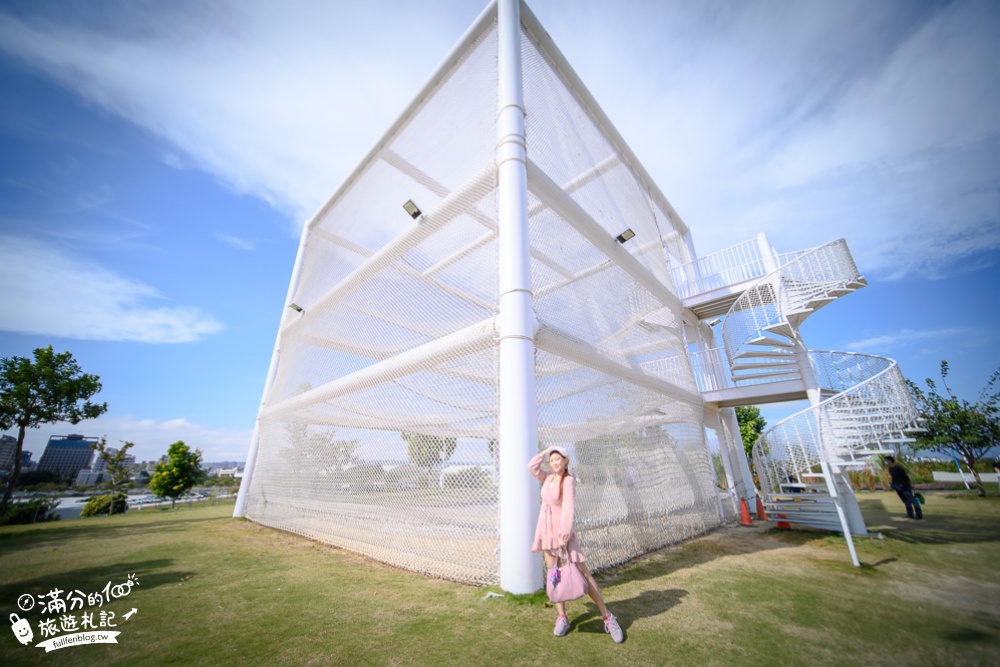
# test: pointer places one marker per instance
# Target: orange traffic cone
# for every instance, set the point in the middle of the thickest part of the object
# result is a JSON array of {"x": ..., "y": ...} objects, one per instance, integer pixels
[
  {"x": 761, "y": 514},
  {"x": 744, "y": 513},
  {"x": 783, "y": 524}
]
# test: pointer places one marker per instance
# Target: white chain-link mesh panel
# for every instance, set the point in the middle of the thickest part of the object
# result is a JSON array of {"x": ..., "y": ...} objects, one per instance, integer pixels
[{"x": 379, "y": 432}]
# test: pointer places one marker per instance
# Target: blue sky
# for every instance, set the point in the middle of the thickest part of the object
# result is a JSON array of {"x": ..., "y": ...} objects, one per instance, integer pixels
[{"x": 157, "y": 161}]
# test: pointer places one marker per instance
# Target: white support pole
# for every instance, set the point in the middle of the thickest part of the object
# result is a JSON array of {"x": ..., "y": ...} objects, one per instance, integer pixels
[
  {"x": 767, "y": 253},
  {"x": 272, "y": 371},
  {"x": 739, "y": 452},
  {"x": 520, "y": 570},
  {"x": 712, "y": 422}
]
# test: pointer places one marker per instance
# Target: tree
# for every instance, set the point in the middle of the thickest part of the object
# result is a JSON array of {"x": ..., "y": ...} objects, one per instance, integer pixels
[
  {"x": 114, "y": 463},
  {"x": 955, "y": 426},
  {"x": 102, "y": 505},
  {"x": 49, "y": 389},
  {"x": 175, "y": 475},
  {"x": 426, "y": 451},
  {"x": 32, "y": 511},
  {"x": 319, "y": 452},
  {"x": 33, "y": 477},
  {"x": 751, "y": 426}
]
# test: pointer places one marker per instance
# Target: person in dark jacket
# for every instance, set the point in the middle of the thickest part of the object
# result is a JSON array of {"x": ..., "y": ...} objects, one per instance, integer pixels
[{"x": 901, "y": 485}]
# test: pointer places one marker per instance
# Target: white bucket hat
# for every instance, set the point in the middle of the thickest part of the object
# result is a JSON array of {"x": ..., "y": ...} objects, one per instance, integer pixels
[{"x": 561, "y": 450}]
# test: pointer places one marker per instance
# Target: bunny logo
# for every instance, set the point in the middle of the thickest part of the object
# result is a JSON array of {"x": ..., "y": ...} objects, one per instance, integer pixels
[{"x": 21, "y": 628}]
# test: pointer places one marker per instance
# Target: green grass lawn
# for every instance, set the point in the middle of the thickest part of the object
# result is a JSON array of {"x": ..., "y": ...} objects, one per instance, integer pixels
[{"x": 218, "y": 591}]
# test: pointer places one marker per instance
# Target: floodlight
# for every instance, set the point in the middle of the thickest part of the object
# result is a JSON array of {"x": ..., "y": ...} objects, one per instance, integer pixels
[
  {"x": 412, "y": 209},
  {"x": 296, "y": 307},
  {"x": 625, "y": 236},
  {"x": 714, "y": 322}
]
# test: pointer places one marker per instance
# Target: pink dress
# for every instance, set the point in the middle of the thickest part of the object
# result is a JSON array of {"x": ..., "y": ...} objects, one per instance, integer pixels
[{"x": 555, "y": 520}]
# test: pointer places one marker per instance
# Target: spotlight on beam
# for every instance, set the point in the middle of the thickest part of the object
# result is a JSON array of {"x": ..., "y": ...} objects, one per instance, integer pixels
[
  {"x": 625, "y": 236},
  {"x": 296, "y": 307},
  {"x": 412, "y": 209}
]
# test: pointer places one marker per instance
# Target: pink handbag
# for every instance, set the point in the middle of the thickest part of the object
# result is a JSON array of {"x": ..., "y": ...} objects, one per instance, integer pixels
[{"x": 565, "y": 582}]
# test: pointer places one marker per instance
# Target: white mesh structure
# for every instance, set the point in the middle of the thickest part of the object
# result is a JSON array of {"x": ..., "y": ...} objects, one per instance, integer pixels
[{"x": 379, "y": 430}]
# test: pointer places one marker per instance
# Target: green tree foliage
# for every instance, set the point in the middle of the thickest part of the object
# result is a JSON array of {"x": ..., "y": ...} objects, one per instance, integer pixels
[
  {"x": 102, "y": 505},
  {"x": 31, "y": 511},
  {"x": 175, "y": 475},
  {"x": 51, "y": 388},
  {"x": 957, "y": 427},
  {"x": 115, "y": 465},
  {"x": 752, "y": 424},
  {"x": 317, "y": 456},
  {"x": 426, "y": 451},
  {"x": 34, "y": 477},
  {"x": 319, "y": 452}
]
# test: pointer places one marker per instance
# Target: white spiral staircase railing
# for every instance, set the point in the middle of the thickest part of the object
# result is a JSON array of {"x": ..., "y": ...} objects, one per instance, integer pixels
[
  {"x": 861, "y": 402},
  {"x": 871, "y": 411}
]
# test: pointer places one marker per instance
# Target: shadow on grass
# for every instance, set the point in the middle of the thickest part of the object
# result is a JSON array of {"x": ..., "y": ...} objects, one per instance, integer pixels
[
  {"x": 934, "y": 528},
  {"x": 149, "y": 573},
  {"x": 720, "y": 543},
  {"x": 645, "y": 605}
]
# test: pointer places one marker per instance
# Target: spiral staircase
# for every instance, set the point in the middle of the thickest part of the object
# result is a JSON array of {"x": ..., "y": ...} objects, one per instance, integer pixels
[{"x": 859, "y": 404}]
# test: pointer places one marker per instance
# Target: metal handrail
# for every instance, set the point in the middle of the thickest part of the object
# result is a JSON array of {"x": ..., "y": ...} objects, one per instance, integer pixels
[
  {"x": 788, "y": 289},
  {"x": 856, "y": 418}
]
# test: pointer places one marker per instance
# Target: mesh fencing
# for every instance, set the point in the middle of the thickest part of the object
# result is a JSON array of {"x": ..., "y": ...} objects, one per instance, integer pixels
[{"x": 379, "y": 432}]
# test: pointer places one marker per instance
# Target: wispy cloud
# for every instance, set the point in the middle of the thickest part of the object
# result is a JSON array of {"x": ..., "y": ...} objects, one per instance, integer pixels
[
  {"x": 903, "y": 337},
  {"x": 280, "y": 102},
  {"x": 238, "y": 243},
  {"x": 52, "y": 292},
  {"x": 874, "y": 121}
]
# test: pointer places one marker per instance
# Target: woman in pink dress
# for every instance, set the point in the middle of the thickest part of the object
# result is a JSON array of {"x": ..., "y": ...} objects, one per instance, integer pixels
[{"x": 554, "y": 534}]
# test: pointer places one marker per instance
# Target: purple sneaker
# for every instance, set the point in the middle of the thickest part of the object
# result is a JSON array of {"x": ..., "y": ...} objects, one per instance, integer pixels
[
  {"x": 611, "y": 626},
  {"x": 562, "y": 626}
]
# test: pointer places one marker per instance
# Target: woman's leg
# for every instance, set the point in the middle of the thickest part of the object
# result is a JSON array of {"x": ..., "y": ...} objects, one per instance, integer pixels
[
  {"x": 550, "y": 562},
  {"x": 593, "y": 591}
]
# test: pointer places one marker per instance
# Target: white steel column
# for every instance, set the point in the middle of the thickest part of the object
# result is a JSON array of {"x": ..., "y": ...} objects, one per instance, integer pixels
[
  {"x": 293, "y": 284},
  {"x": 739, "y": 452},
  {"x": 520, "y": 570}
]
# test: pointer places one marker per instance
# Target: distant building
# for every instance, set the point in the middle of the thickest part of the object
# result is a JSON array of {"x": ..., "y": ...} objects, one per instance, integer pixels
[
  {"x": 8, "y": 446},
  {"x": 27, "y": 464},
  {"x": 100, "y": 465},
  {"x": 88, "y": 477},
  {"x": 67, "y": 455},
  {"x": 226, "y": 472}
]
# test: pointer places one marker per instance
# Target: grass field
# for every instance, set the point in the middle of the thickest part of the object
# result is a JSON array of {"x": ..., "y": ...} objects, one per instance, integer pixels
[{"x": 218, "y": 591}]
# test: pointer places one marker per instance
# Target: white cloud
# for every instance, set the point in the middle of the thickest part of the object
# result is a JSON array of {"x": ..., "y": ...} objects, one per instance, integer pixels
[
  {"x": 51, "y": 292},
  {"x": 903, "y": 337},
  {"x": 874, "y": 121},
  {"x": 279, "y": 100},
  {"x": 151, "y": 437},
  {"x": 235, "y": 242}
]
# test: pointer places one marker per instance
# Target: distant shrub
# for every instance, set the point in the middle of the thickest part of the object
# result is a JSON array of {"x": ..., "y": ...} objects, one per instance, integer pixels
[
  {"x": 31, "y": 511},
  {"x": 470, "y": 478},
  {"x": 98, "y": 505}
]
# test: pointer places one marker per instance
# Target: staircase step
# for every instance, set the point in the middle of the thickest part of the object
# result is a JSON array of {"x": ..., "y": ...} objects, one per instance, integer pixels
[
  {"x": 784, "y": 363},
  {"x": 765, "y": 354},
  {"x": 819, "y": 302},
  {"x": 787, "y": 375},
  {"x": 803, "y": 485},
  {"x": 796, "y": 317},
  {"x": 770, "y": 342},
  {"x": 781, "y": 329}
]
